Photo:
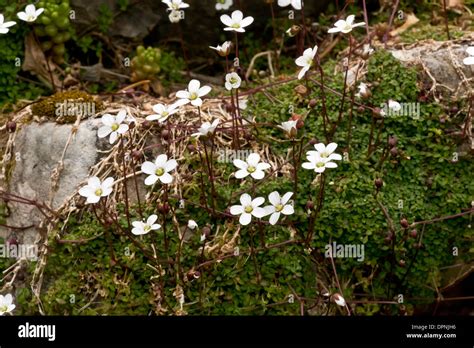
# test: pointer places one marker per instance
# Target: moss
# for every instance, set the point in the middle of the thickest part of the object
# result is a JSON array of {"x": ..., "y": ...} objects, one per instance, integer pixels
[{"x": 64, "y": 107}]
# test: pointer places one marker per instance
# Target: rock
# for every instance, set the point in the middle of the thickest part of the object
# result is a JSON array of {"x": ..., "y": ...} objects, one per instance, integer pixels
[
  {"x": 39, "y": 148},
  {"x": 443, "y": 61},
  {"x": 201, "y": 27}
]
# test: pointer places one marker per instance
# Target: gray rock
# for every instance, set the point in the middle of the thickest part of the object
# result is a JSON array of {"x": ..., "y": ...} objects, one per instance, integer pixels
[
  {"x": 443, "y": 61},
  {"x": 39, "y": 148}
]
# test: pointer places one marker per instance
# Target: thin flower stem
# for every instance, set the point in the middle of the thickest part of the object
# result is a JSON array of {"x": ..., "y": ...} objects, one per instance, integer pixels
[
  {"x": 125, "y": 189},
  {"x": 341, "y": 109}
]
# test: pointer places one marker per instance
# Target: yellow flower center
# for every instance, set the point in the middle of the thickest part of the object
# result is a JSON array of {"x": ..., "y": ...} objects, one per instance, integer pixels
[
  {"x": 248, "y": 209},
  {"x": 251, "y": 169},
  {"x": 320, "y": 164},
  {"x": 236, "y": 25},
  {"x": 115, "y": 126},
  {"x": 160, "y": 172},
  {"x": 146, "y": 228},
  {"x": 3, "y": 309},
  {"x": 193, "y": 96},
  {"x": 279, "y": 207},
  {"x": 98, "y": 192}
]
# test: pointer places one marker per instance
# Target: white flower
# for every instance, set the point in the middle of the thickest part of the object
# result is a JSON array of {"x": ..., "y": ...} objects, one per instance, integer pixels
[
  {"x": 223, "y": 50},
  {"x": 175, "y": 5},
  {"x": 469, "y": 60},
  {"x": 5, "y": 25},
  {"x": 194, "y": 93},
  {"x": 95, "y": 189},
  {"x": 324, "y": 151},
  {"x": 318, "y": 163},
  {"x": 192, "y": 224},
  {"x": 295, "y": 3},
  {"x": 206, "y": 128},
  {"x": 6, "y": 304},
  {"x": 306, "y": 60},
  {"x": 289, "y": 127},
  {"x": 232, "y": 81},
  {"x": 162, "y": 112},
  {"x": 251, "y": 166},
  {"x": 279, "y": 206},
  {"x": 223, "y": 4},
  {"x": 339, "y": 300},
  {"x": 345, "y": 26},
  {"x": 140, "y": 227},
  {"x": 174, "y": 16},
  {"x": 237, "y": 22},
  {"x": 113, "y": 125},
  {"x": 159, "y": 170},
  {"x": 248, "y": 209},
  {"x": 30, "y": 14}
]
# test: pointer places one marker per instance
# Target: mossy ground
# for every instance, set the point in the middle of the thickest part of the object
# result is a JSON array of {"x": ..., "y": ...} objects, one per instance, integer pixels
[{"x": 80, "y": 278}]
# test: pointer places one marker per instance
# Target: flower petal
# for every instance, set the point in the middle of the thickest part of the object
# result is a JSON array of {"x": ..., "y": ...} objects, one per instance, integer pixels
[
  {"x": 274, "y": 218},
  {"x": 274, "y": 198},
  {"x": 245, "y": 199},
  {"x": 150, "y": 180},
  {"x": 245, "y": 219},
  {"x": 166, "y": 178},
  {"x": 236, "y": 210},
  {"x": 148, "y": 168}
]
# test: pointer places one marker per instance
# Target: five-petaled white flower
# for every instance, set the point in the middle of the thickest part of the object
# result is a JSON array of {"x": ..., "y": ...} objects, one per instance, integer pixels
[
  {"x": 224, "y": 49},
  {"x": 295, "y": 3},
  {"x": 162, "y": 112},
  {"x": 113, "y": 125},
  {"x": 252, "y": 166},
  {"x": 95, "y": 189},
  {"x": 324, "y": 151},
  {"x": 5, "y": 25},
  {"x": 192, "y": 224},
  {"x": 206, "y": 128},
  {"x": 30, "y": 14},
  {"x": 279, "y": 205},
  {"x": 175, "y": 5},
  {"x": 237, "y": 22},
  {"x": 194, "y": 93},
  {"x": 159, "y": 170},
  {"x": 345, "y": 26},
  {"x": 318, "y": 163},
  {"x": 469, "y": 60},
  {"x": 6, "y": 304},
  {"x": 289, "y": 127},
  {"x": 248, "y": 209},
  {"x": 223, "y": 4},
  {"x": 306, "y": 61},
  {"x": 232, "y": 81},
  {"x": 140, "y": 227}
]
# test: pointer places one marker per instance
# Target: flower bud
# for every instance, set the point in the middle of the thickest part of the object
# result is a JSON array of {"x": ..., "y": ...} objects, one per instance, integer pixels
[
  {"x": 378, "y": 183},
  {"x": 392, "y": 141},
  {"x": 312, "y": 103},
  {"x": 404, "y": 223},
  {"x": 11, "y": 127}
]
